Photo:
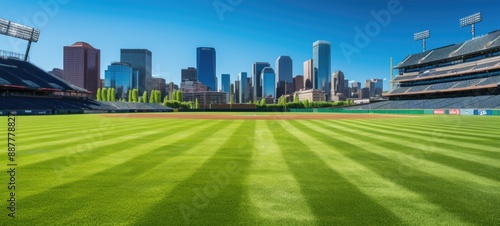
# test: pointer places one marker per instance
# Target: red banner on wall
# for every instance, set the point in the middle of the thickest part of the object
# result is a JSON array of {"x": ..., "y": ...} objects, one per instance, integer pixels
[
  {"x": 439, "y": 112},
  {"x": 454, "y": 111}
]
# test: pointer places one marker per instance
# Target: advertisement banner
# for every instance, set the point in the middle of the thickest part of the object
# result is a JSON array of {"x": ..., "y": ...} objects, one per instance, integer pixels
[
  {"x": 467, "y": 111},
  {"x": 482, "y": 112},
  {"x": 454, "y": 111},
  {"x": 439, "y": 112}
]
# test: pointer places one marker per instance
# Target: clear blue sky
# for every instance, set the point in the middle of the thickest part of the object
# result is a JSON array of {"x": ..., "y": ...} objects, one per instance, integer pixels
[{"x": 248, "y": 31}]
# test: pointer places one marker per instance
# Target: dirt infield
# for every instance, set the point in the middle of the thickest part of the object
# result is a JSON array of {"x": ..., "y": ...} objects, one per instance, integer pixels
[{"x": 259, "y": 116}]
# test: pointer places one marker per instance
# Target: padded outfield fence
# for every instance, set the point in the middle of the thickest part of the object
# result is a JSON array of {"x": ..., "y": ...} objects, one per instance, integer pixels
[{"x": 482, "y": 112}]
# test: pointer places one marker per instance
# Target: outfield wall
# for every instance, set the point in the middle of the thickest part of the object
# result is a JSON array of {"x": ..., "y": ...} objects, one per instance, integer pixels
[{"x": 478, "y": 112}]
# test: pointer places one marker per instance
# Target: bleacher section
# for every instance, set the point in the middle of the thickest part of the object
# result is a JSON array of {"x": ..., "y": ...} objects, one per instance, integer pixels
[
  {"x": 23, "y": 74},
  {"x": 465, "y": 75},
  {"x": 26, "y": 88}
]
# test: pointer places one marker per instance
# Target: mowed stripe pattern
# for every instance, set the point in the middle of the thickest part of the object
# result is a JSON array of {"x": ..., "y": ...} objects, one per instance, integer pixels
[{"x": 95, "y": 170}]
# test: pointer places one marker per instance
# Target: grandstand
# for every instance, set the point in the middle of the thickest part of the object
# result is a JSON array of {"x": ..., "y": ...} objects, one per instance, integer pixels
[
  {"x": 460, "y": 76},
  {"x": 28, "y": 89}
]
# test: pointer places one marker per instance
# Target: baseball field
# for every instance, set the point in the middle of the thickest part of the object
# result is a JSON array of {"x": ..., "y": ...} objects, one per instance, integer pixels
[{"x": 254, "y": 169}]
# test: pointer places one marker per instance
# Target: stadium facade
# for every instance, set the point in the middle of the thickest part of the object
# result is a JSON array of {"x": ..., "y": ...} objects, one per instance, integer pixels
[{"x": 459, "y": 76}]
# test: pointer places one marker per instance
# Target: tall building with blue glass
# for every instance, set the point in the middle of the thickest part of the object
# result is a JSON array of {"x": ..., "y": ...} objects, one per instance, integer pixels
[
  {"x": 322, "y": 65},
  {"x": 141, "y": 61},
  {"x": 256, "y": 79},
  {"x": 242, "y": 77},
  {"x": 225, "y": 85},
  {"x": 206, "y": 66},
  {"x": 268, "y": 84},
  {"x": 122, "y": 77},
  {"x": 284, "y": 75}
]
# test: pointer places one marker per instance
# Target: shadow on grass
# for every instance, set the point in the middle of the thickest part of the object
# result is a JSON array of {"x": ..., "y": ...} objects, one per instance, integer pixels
[
  {"x": 213, "y": 194},
  {"x": 333, "y": 200},
  {"x": 473, "y": 167},
  {"x": 469, "y": 204},
  {"x": 64, "y": 202}
]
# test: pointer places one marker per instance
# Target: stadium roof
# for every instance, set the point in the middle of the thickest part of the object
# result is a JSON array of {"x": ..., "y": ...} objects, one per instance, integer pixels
[{"x": 489, "y": 41}]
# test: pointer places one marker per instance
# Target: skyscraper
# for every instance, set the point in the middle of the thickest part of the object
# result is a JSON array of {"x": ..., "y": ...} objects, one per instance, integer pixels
[
  {"x": 82, "y": 66},
  {"x": 375, "y": 87},
  {"x": 322, "y": 65},
  {"x": 338, "y": 82},
  {"x": 141, "y": 61},
  {"x": 206, "y": 65},
  {"x": 256, "y": 79},
  {"x": 269, "y": 84},
  {"x": 189, "y": 74},
  {"x": 120, "y": 76},
  {"x": 237, "y": 92},
  {"x": 242, "y": 77},
  {"x": 284, "y": 75},
  {"x": 308, "y": 74},
  {"x": 298, "y": 83},
  {"x": 225, "y": 85}
]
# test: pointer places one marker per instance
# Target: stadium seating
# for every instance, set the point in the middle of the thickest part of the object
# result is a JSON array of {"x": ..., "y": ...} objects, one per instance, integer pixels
[
  {"x": 473, "y": 102},
  {"x": 24, "y": 74}
]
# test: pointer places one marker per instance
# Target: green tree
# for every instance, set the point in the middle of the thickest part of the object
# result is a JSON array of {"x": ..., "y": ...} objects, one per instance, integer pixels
[
  {"x": 196, "y": 104},
  {"x": 129, "y": 95},
  {"x": 135, "y": 95},
  {"x": 152, "y": 98},
  {"x": 98, "y": 95},
  {"x": 262, "y": 102},
  {"x": 108, "y": 95},
  {"x": 145, "y": 97},
  {"x": 113, "y": 96},
  {"x": 158, "y": 96},
  {"x": 296, "y": 98},
  {"x": 179, "y": 95},
  {"x": 165, "y": 100},
  {"x": 104, "y": 94}
]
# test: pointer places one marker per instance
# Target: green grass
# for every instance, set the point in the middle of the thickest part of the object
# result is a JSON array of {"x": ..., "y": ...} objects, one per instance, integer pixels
[{"x": 94, "y": 170}]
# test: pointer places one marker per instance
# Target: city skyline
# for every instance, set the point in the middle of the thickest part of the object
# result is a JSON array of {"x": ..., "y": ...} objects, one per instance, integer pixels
[{"x": 171, "y": 30}]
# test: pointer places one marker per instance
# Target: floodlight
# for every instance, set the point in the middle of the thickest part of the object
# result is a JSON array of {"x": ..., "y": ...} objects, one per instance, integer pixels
[
  {"x": 471, "y": 20},
  {"x": 19, "y": 31},
  {"x": 422, "y": 36}
]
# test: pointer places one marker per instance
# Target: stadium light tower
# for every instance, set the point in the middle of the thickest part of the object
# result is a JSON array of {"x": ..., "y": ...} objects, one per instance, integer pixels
[
  {"x": 471, "y": 20},
  {"x": 19, "y": 31},
  {"x": 424, "y": 35}
]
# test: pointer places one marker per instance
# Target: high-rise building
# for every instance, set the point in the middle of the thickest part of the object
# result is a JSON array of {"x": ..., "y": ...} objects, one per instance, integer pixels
[
  {"x": 82, "y": 66},
  {"x": 232, "y": 98},
  {"x": 120, "y": 76},
  {"x": 256, "y": 79},
  {"x": 242, "y": 77},
  {"x": 248, "y": 89},
  {"x": 237, "y": 92},
  {"x": 269, "y": 84},
  {"x": 322, "y": 65},
  {"x": 338, "y": 83},
  {"x": 141, "y": 61},
  {"x": 347, "y": 89},
  {"x": 298, "y": 83},
  {"x": 206, "y": 66},
  {"x": 284, "y": 75},
  {"x": 356, "y": 91},
  {"x": 375, "y": 87},
  {"x": 189, "y": 74},
  {"x": 225, "y": 85},
  {"x": 308, "y": 74},
  {"x": 161, "y": 85}
]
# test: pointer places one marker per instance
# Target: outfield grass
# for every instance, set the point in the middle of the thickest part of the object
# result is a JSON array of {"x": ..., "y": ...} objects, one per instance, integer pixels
[{"x": 94, "y": 170}]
